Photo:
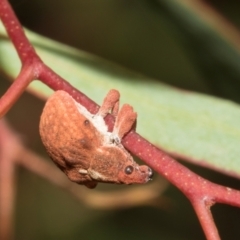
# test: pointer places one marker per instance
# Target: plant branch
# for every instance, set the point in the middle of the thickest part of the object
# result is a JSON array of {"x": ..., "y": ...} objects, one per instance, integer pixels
[
  {"x": 55, "y": 82},
  {"x": 202, "y": 208},
  {"x": 8, "y": 151},
  {"x": 32, "y": 66},
  {"x": 16, "y": 89},
  {"x": 15, "y": 32},
  {"x": 187, "y": 181}
]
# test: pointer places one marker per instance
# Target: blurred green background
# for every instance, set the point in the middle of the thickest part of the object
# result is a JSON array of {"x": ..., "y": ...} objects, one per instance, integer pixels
[{"x": 146, "y": 36}]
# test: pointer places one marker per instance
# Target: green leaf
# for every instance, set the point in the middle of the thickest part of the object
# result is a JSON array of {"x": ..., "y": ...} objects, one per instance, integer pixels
[{"x": 195, "y": 126}]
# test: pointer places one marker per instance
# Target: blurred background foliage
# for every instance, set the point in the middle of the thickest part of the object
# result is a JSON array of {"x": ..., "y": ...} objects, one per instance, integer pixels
[{"x": 157, "y": 39}]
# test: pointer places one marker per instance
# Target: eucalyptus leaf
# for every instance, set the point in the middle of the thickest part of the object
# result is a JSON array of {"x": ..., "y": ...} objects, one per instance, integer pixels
[{"x": 202, "y": 128}]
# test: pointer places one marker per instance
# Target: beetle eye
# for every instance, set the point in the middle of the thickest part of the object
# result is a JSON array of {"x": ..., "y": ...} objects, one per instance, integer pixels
[{"x": 129, "y": 170}]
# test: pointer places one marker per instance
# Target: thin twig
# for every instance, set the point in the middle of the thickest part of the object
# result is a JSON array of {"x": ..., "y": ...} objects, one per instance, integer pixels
[
  {"x": 202, "y": 208},
  {"x": 25, "y": 50},
  {"x": 16, "y": 89},
  {"x": 8, "y": 151}
]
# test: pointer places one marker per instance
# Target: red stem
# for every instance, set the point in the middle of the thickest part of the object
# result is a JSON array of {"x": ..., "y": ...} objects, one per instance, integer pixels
[
  {"x": 7, "y": 183},
  {"x": 191, "y": 184},
  {"x": 55, "y": 82},
  {"x": 16, "y": 89},
  {"x": 25, "y": 50},
  {"x": 206, "y": 220}
]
